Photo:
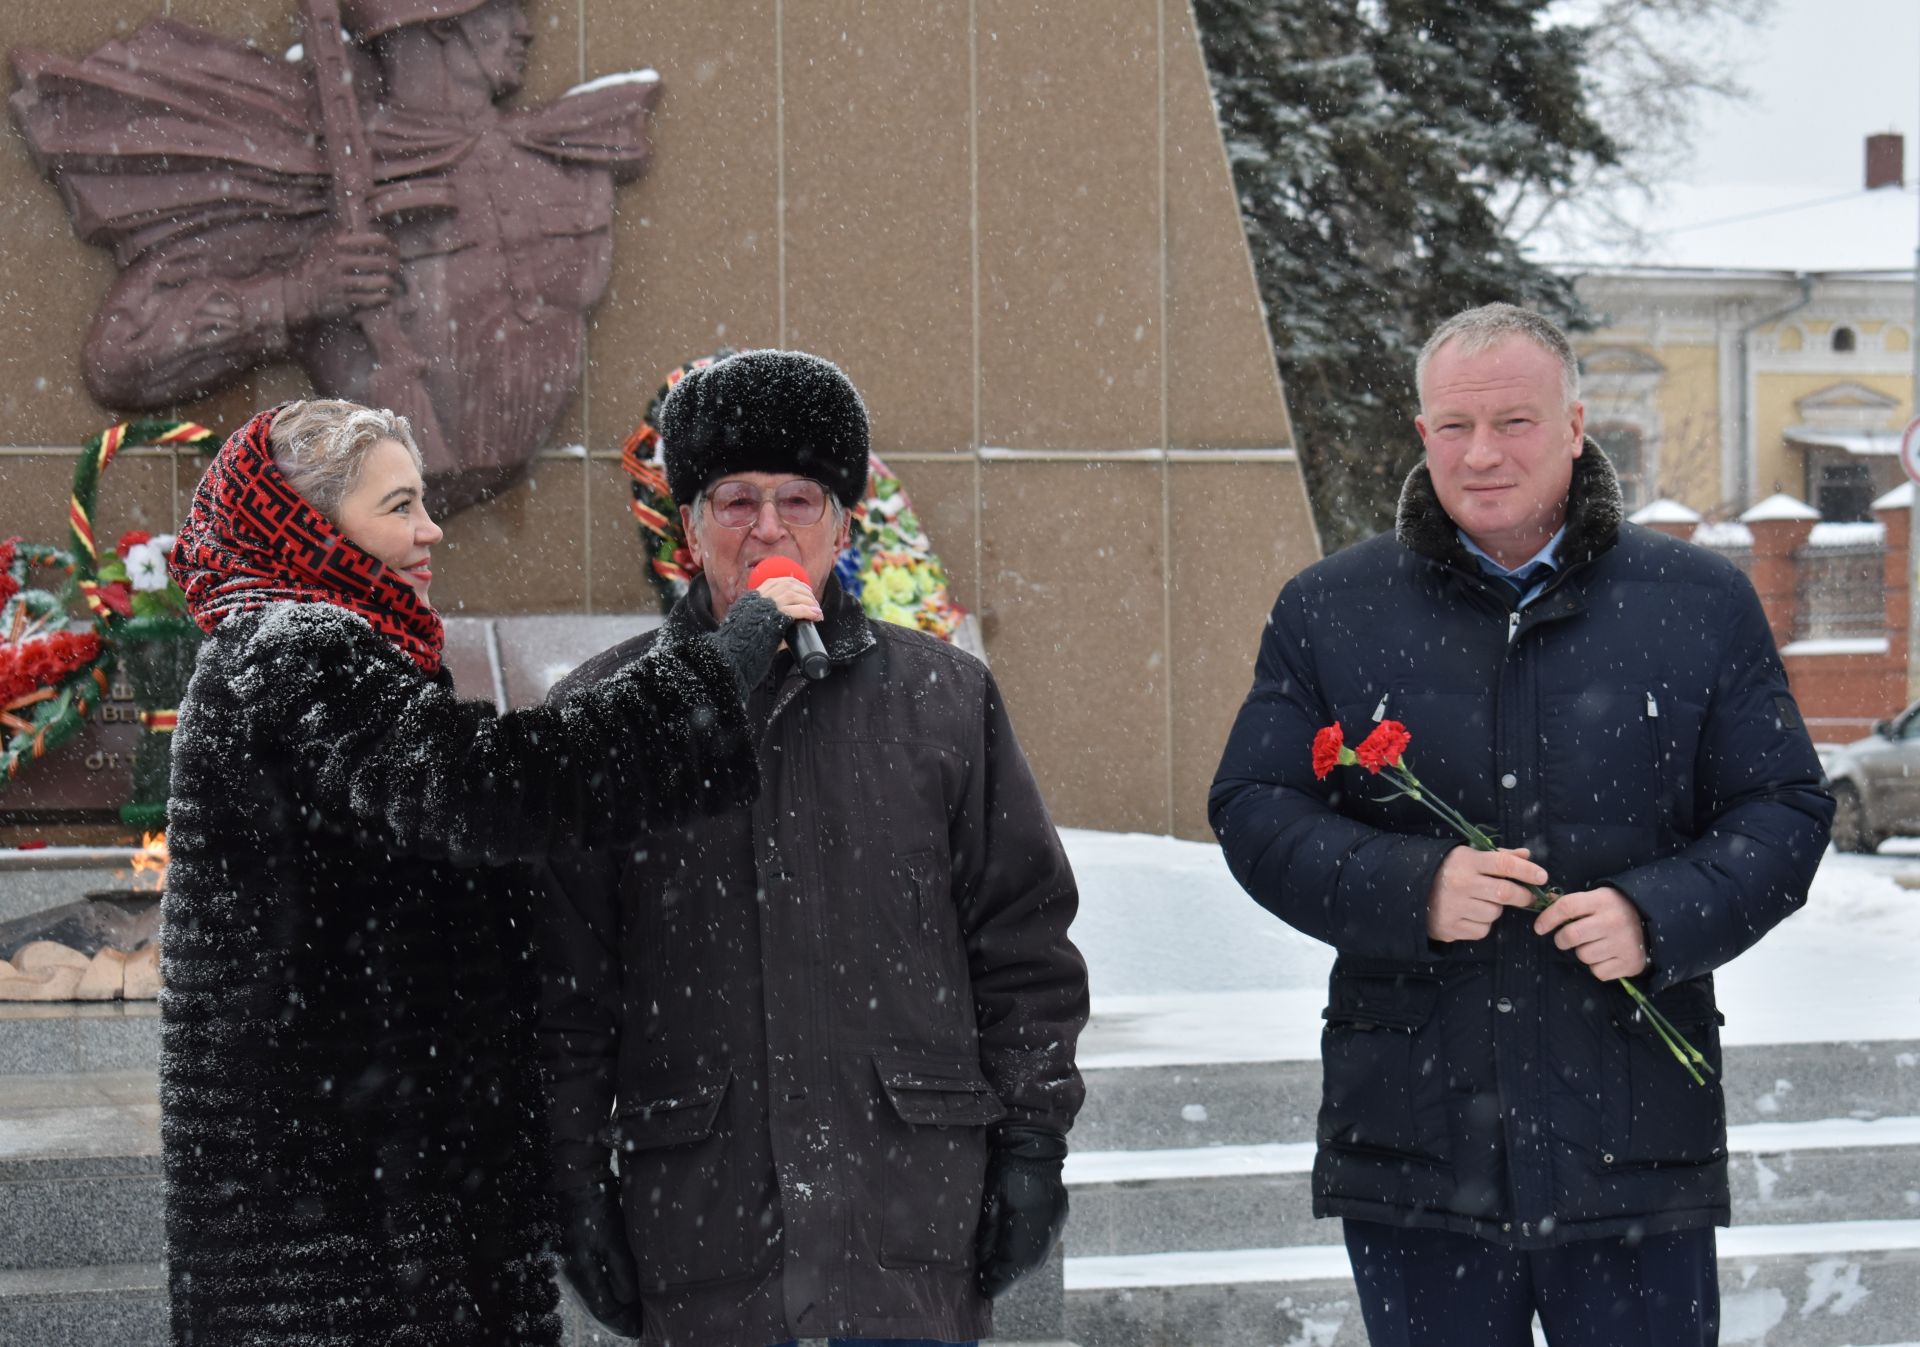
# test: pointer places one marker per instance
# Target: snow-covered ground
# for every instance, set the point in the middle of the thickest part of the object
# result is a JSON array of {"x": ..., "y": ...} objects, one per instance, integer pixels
[{"x": 1185, "y": 968}]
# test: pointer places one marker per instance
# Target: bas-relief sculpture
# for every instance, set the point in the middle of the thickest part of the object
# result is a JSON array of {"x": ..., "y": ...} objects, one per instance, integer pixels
[{"x": 369, "y": 210}]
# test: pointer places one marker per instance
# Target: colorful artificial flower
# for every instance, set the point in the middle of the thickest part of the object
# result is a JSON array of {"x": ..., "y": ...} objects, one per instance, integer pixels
[
  {"x": 146, "y": 568},
  {"x": 8, "y": 585},
  {"x": 118, "y": 596},
  {"x": 30, "y": 668},
  {"x": 135, "y": 582}
]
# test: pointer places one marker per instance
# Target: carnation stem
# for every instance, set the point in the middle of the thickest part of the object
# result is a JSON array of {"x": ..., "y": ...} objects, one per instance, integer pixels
[{"x": 1690, "y": 1058}]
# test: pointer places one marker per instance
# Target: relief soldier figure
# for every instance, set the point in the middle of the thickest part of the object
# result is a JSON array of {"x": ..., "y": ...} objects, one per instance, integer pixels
[{"x": 452, "y": 284}]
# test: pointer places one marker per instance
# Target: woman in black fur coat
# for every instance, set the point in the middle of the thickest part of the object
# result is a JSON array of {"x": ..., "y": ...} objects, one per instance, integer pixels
[{"x": 350, "y": 1109}]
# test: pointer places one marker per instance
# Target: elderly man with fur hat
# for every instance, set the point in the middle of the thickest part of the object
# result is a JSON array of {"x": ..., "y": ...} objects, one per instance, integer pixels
[{"x": 829, "y": 1037}]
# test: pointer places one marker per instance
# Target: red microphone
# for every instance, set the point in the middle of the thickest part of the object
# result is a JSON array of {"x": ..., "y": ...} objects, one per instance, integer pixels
[{"x": 807, "y": 647}]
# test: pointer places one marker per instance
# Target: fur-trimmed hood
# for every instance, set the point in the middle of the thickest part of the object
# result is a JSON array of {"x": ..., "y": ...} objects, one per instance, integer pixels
[{"x": 1595, "y": 509}]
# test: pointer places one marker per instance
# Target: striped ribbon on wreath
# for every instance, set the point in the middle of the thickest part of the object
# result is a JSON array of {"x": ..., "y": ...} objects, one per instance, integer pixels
[{"x": 56, "y": 716}]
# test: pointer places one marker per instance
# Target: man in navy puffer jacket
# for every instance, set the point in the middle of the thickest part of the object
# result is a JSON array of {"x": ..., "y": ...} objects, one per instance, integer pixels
[{"x": 1501, "y": 1132}]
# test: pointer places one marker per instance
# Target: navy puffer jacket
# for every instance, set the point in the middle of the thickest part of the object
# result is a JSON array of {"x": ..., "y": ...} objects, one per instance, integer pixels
[{"x": 1633, "y": 727}]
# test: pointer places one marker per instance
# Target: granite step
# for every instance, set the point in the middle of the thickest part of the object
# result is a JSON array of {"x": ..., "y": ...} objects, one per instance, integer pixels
[
  {"x": 80, "y": 1180},
  {"x": 126, "y": 1306},
  {"x": 1841, "y": 1284},
  {"x": 82, "y": 1221},
  {"x": 70, "y": 1037},
  {"x": 1253, "y": 1103},
  {"x": 122, "y": 1305},
  {"x": 1234, "y": 1197}
]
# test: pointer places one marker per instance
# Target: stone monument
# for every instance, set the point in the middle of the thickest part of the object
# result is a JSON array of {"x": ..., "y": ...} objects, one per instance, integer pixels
[{"x": 367, "y": 210}]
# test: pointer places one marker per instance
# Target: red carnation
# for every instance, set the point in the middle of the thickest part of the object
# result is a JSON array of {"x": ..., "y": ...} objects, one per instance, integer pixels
[
  {"x": 1326, "y": 750},
  {"x": 131, "y": 539},
  {"x": 1384, "y": 746}
]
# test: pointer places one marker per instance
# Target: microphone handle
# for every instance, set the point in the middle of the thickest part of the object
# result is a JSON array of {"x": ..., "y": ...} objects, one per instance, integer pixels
[{"x": 808, "y": 650}]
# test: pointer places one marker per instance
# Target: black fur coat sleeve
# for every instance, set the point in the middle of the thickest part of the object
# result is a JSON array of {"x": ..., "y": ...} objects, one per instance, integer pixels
[{"x": 375, "y": 745}]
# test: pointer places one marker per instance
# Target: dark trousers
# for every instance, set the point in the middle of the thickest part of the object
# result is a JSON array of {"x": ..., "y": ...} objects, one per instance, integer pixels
[{"x": 1434, "y": 1288}]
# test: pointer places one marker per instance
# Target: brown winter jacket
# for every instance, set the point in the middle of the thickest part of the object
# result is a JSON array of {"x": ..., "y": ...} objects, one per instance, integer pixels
[{"x": 801, "y": 1019}]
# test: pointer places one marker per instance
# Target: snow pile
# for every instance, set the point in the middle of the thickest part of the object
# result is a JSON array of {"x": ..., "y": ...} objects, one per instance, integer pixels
[
  {"x": 1848, "y": 533},
  {"x": 1665, "y": 511},
  {"x": 1723, "y": 534},
  {"x": 1779, "y": 506}
]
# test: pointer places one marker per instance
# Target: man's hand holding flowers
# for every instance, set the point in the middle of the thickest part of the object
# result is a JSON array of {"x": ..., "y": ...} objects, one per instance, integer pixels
[
  {"x": 1602, "y": 928},
  {"x": 1473, "y": 888}
]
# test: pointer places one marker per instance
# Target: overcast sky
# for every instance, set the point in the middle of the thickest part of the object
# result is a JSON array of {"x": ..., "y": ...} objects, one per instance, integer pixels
[
  {"x": 1777, "y": 181},
  {"x": 1824, "y": 74}
]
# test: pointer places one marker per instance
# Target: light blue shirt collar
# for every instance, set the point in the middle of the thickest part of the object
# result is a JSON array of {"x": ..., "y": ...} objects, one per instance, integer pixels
[{"x": 1547, "y": 554}]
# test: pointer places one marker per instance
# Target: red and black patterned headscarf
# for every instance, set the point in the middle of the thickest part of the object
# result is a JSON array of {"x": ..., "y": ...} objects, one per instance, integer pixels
[{"x": 251, "y": 539}]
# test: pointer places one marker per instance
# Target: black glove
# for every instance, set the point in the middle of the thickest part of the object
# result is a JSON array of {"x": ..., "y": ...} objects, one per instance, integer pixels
[
  {"x": 751, "y": 636},
  {"x": 1023, "y": 1208},
  {"x": 596, "y": 1258}
]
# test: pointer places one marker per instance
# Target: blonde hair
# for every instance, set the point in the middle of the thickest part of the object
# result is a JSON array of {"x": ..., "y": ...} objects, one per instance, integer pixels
[{"x": 319, "y": 445}]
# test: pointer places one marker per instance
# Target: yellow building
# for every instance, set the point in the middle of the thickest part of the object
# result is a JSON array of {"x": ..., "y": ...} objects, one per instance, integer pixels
[{"x": 1719, "y": 388}]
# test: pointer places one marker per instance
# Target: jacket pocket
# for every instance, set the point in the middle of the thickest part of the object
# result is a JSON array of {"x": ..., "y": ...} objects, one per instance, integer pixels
[
  {"x": 1381, "y": 1055},
  {"x": 934, "y": 1153},
  {"x": 1653, "y": 1113},
  {"x": 1601, "y": 756},
  {"x": 676, "y": 1113},
  {"x": 691, "y": 1216}
]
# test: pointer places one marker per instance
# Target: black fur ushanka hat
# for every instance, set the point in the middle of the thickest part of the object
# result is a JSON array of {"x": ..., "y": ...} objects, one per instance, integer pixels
[{"x": 765, "y": 411}]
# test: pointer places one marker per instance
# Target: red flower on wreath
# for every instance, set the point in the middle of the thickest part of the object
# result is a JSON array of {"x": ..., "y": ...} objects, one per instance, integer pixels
[
  {"x": 117, "y": 596},
  {"x": 29, "y": 669},
  {"x": 131, "y": 539},
  {"x": 1384, "y": 746},
  {"x": 8, "y": 585},
  {"x": 1326, "y": 750}
]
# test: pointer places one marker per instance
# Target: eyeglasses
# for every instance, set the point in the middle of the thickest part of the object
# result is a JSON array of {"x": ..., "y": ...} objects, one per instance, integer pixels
[{"x": 737, "y": 505}]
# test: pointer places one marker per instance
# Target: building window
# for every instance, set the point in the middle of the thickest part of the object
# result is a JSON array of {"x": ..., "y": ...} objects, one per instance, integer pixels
[
  {"x": 1843, "y": 339},
  {"x": 1626, "y": 449},
  {"x": 1843, "y": 490}
]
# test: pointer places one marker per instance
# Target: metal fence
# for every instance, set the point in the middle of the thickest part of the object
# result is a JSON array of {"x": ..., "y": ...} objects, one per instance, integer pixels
[{"x": 1841, "y": 592}]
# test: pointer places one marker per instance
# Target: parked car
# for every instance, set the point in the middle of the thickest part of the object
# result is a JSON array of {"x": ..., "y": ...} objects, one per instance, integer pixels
[{"x": 1876, "y": 784}]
